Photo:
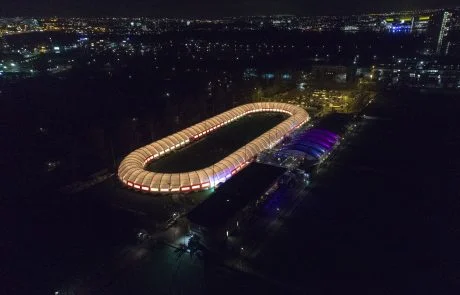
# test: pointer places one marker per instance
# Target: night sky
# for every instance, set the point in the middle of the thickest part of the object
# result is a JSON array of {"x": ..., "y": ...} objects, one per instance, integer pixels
[{"x": 207, "y": 8}]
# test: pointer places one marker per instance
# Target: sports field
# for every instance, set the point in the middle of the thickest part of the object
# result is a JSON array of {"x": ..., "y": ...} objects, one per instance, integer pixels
[{"x": 217, "y": 145}]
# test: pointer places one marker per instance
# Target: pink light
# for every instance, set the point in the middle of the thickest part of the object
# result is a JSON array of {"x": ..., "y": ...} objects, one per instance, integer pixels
[
  {"x": 206, "y": 184},
  {"x": 196, "y": 186},
  {"x": 185, "y": 188}
]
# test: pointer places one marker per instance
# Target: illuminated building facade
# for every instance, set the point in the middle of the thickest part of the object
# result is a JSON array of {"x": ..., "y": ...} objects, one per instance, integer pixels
[
  {"x": 443, "y": 31},
  {"x": 329, "y": 72},
  {"x": 420, "y": 24},
  {"x": 437, "y": 33},
  {"x": 399, "y": 25},
  {"x": 132, "y": 173},
  {"x": 429, "y": 73}
]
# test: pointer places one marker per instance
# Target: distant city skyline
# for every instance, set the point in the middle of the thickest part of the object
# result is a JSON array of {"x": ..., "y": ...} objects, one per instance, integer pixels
[{"x": 208, "y": 8}]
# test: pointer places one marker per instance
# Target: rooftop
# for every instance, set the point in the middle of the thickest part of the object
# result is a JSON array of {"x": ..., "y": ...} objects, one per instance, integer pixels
[{"x": 235, "y": 194}]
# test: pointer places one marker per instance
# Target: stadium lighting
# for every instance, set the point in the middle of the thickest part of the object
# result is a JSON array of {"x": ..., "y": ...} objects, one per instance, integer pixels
[{"x": 132, "y": 168}]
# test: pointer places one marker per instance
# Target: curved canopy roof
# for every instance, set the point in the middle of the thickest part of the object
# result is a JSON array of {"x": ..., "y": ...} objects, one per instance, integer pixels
[
  {"x": 132, "y": 173},
  {"x": 314, "y": 142}
]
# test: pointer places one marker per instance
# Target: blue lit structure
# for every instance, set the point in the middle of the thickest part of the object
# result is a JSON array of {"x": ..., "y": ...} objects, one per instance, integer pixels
[
  {"x": 249, "y": 73},
  {"x": 268, "y": 76},
  {"x": 403, "y": 28},
  {"x": 314, "y": 143},
  {"x": 286, "y": 76},
  {"x": 275, "y": 201}
]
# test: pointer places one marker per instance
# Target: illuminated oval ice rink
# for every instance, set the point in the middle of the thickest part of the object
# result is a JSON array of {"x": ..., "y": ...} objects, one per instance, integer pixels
[{"x": 132, "y": 170}]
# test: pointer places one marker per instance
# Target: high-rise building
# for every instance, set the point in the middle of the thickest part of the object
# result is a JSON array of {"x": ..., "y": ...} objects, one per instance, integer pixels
[
  {"x": 437, "y": 33},
  {"x": 443, "y": 32}
]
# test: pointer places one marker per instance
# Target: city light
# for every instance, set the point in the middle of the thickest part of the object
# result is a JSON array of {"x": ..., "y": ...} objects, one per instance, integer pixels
[{"x": 104, "y": 113}]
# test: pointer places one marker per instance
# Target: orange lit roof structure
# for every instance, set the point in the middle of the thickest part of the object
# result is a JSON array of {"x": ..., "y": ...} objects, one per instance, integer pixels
[{"x": 132, "y": 169}]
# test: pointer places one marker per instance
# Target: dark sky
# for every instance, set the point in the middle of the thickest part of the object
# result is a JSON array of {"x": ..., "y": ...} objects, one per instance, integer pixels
[{"x": 207, "y": 8}]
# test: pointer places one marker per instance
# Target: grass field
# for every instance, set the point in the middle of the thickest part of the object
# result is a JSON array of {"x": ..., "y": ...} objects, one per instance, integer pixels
[{"x": 217, "y": 145}]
